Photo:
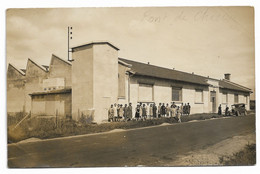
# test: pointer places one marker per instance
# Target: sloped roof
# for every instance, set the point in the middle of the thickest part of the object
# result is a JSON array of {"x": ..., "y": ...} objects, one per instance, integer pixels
[
  {"x": 54, "y": 56},
  {"x": 165, "y": 73},
  {"x": 96, "y": 43},
  {"x": 19, "y": 71},
  {"x": 225, "y": 84},
  {"x": 38, "y": 65}
]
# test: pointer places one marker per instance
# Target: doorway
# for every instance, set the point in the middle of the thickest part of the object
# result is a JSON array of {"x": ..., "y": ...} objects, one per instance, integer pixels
[{"x": 213, "y": 101}]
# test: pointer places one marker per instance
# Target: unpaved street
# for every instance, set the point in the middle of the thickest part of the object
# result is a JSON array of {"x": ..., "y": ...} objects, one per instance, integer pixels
[{"x": 153, "y": 146}]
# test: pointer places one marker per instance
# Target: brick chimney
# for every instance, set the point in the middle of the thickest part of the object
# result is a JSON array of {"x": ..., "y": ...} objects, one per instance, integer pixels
[{"x": 227, "y": 76}]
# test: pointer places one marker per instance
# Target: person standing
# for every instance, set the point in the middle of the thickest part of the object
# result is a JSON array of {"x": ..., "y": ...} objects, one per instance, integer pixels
[
  {"x": 110, "y": 113},
  {"x": 167, "y": 108},
  {"x": 159, "y": 110},
  {"x": 121, "y": 112},
  {"x": 118, "y": 108},
  {"x": 129, "y": 111},
  {"x": 144, "y": 113},
  {"x": 151, "y": 111},
  {"x": 188, "y": 106},
  {"x": 178, "y": 114},
  {"x": 181, "y": 109},
  {"x": 148, "y": 110},
  {"x": 185, "y": 109},
  {"x": 174, "y": 109},
  {"x": 219, "y": 110},
  {"x": 163, "y": 110},
  {"x": 115, "y": 112},
  {"x": 226, "y": 111},
  {"x": 154, "y": 110},
  {"x": 137, "y": 112},
  {"x": 141, "y": 110},
  {"x": 125, "y": 112},
  {"x": 171, "y": 110}
]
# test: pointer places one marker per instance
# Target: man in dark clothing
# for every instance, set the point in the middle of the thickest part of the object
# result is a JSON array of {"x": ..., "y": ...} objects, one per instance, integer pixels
[
  {"x": 226, "y": 111},
  {"x": 219, "y": 110},
  {"x": 137, "y": 112},
  {"x": 163, "y": 110},
  {"x": 188, "y": 107},
  {"x": 154, "y": 110}
]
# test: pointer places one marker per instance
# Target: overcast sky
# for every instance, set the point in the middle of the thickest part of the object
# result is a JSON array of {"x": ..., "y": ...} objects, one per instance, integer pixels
[{"x": 208, "y": 41}]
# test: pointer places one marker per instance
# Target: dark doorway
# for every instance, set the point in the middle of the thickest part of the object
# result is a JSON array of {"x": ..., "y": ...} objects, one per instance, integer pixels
[{"x": 213, "y": 101}]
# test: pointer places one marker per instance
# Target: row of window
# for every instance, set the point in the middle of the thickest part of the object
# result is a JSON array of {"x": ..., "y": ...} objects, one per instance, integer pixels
[
  {"x": 146, "y": 93},
  {"x": 236, "y": 98},
  {"x": 45, "y": 89}
]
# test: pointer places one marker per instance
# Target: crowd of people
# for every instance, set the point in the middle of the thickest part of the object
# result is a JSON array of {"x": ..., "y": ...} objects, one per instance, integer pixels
[{"x": 118, "y": 112}]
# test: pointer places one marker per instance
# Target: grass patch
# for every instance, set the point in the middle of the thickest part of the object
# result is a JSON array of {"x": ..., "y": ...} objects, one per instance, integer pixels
[
  {"x": 245, "y": 157},
  {"x": 44, "y": 128}
]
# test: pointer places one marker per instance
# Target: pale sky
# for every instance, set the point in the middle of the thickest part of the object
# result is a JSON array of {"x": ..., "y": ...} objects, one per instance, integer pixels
[{"x": 208, "y": 41}]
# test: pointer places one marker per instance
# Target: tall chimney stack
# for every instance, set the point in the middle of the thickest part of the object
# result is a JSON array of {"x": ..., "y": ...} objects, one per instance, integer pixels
[{"x": 227, "y": 76}]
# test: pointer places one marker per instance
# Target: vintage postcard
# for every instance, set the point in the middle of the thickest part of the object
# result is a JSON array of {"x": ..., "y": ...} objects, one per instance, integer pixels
[{"x": 130, "y": 86}]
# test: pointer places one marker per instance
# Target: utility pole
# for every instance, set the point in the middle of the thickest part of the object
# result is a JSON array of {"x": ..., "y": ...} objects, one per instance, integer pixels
[{"x": 69, "y": 38}]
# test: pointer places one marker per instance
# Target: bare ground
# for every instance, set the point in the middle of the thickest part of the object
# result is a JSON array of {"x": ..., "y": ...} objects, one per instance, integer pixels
[{"x": 210, "y": 156}]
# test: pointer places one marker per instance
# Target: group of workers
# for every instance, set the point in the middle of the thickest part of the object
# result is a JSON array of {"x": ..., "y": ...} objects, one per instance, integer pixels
[{"x": 118, "y": 112}]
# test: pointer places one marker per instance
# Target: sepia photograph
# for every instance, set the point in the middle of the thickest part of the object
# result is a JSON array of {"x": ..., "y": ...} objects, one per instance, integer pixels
[{"x": 130, "y": 87}]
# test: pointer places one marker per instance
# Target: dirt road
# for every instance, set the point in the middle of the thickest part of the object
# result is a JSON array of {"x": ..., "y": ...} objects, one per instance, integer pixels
[{"x": 153, "y": 146}]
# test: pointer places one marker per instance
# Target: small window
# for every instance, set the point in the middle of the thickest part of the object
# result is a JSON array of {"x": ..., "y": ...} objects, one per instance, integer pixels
[
  {"x": 198, "y": 96},
  {"x": 45, "y": 89},
  {"x": 176, "y": 94},
  {"x": 224, "y": 98},
  {"x": 236, "y": 98}
]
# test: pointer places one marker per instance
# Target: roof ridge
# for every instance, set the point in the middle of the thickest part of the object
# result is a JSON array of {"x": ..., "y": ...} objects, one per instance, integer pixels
[
  {"x": 42, "y": 68},
  {"x": 22, "y": 73},
  {"x": 53, "y": 55},
  {"x": 167, "y": 68},
  {"x": 96, "y": 42},
  {"x": 233, "y": 83}
]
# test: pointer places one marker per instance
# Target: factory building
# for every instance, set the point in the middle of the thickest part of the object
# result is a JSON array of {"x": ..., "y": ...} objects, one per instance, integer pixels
[{"x": 97, "y": 78}]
